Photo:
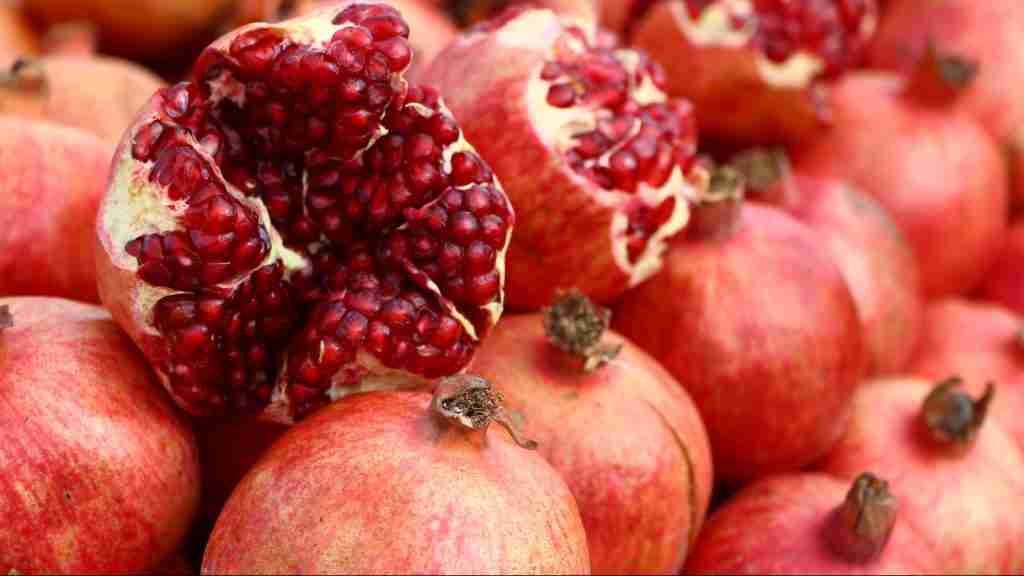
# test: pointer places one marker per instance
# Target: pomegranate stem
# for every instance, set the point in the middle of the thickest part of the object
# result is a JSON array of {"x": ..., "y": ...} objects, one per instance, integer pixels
[
  {"x": 575, "y": 325},
  {"x": 472, "y": 403},
  {"x": 859, "y": 528},
  {"x": 717, "y": 213},
  {"x": 951, "y": 416},
  {"x": 940, "y": 78}
]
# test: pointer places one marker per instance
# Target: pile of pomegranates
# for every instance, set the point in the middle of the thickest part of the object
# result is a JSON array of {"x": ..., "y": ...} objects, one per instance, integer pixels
[{"x": 511, "y": 287}]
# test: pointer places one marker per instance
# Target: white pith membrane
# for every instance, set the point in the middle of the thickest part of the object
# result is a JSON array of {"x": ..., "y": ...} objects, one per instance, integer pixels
[
  {"x": 136, "y": 206},
  {"x": 557, "y": 127},
  {"x": 715, "y": 27}
]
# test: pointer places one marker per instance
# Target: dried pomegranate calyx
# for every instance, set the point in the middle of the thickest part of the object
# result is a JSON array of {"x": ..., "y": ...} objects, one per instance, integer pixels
[
  {"x": 472, "y": 403},
  {"x": 296, "y": 223},
  {"x": 951, "y": 416},
  {"x": 861, "y": 526},
  {"x": 576, "y": 325}
]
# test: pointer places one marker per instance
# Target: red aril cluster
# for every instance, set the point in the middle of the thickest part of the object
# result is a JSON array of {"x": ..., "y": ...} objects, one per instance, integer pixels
[{"x": 296, "y": 221}]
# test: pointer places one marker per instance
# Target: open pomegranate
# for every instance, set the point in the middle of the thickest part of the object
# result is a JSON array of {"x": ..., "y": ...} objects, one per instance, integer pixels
[
  {"x": 943, "y": 180},
  {"x": 295, "y": 222},
  {"x": 624, "y": 435},
  {"x": 811, "y": 524},
  {"x": 401, "y": 482},
  {"x": 756, "y": 70},
  {"x": 988, "y": 32},
  {"x": 757, "y": 323},
  {"x": 980, "y": 342},
  {"x": 865, "y": 243},
  {"x": 97, "y": 94},
  {"x": 100, "y": 471},
  {"x": 955, "y": 469},
  {"x": 1004, "y": 282},
  {"x": 599, "y": 164}
]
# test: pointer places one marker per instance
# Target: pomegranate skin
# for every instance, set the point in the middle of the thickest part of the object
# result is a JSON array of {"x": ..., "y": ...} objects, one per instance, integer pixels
[
  {"x": 775, "y": 525},
  {"x": 625, "y": 437},
  {"x": 762, "y": 331},
  {"x": 1004, "y": 283},
  {"x": 950, "y": 494},
  {"x": 54, "y": 177},
  {"x": 943, "y": 178},
  {"x": 981, "y": 343},
  {"x": 374, "y": 483},
  {"x": 51, "y": 88},
  {"x": 101, "y": 474},
  {"x": 17, "y": 38},
  {"x": 147, "y": 29},
  {"x": 874, "y": 257},
  {"x": 570, "y": 232},
  {"x": 989, "y": 33}
]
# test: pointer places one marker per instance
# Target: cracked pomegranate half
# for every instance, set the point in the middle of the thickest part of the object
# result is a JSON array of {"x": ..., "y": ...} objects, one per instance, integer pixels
[
  {"x": 599, "y": 163},
  {"x": 756, "y": 70},
  {"x": 296, "y": 222}
]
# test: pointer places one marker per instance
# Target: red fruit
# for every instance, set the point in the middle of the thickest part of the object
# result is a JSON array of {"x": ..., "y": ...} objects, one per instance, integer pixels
[
  {"x": 100, "y": 473},
  {"x": 942, "y": 180},
  {"x": 17, "y": 39},
  {"x": 866, "y": 245},
  {"x": 132, "y": 28},
  {"x": 430, "y": 28},
  {"x": 396, "y": 482},
  {"x": 296, "y": 219},
  {"x": 811, "y": 524},
  {"x": 757, "y": 70},
  {"x": 53, "y": 178},
  {"x": 957, "y": 479},
  {"x": 1004, "y": 282},
  {"x": 99, "y": 95},
  {"x": 622, "y": 433},
  {"x": 988, "y": 32},
  {"x": 758, "y": 325},
  {"x": 599, "y": 164},
  {"x": 981, "y": 343}
]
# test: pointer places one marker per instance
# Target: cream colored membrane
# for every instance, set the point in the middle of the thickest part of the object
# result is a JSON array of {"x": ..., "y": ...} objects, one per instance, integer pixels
[
  {"x": 714, "y": 27},
  {"x": 557, "y": 127}
]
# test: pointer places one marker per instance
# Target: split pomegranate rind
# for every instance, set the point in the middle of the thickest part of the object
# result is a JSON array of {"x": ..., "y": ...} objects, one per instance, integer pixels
[
  {"x": 599, "y": 163},
  {"x": 295, "y": 222}
]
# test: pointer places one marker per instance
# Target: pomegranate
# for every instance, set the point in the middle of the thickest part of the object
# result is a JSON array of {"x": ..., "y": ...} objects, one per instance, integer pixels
[
  {"x": 100, "y": 472},
  {"x": 622, "y": 433},
  {"x": 53, "y": 178},
  {"x": 259, "y": 244},
  {"x": 988, "y": 32},
  {"x": 400, "y": 482},
  {"x": 811, "y": 524},
  {"x": 17, "y": 38},
  {"x": 136, "y": 29},
  {"x": 865, "y": 243},
  {"x": 757, "y": 70},
  {"x": 956, "y": 475},
  {"x": 1004, "y": 282},
  {"x": 943, "y": 178},
  {"x": 430, "y": 28},
  {"x": 599, "y": 164},
  {"x": 51, "y": 88},
  {"x": 755, "y": 321},
  {"x": 981, "y": 343}
]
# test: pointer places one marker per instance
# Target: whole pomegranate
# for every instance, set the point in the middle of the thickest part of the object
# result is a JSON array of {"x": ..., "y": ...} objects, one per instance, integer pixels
[
  {"x": 1004, "y": 282},
  {"x": 100, "y": 472},
  {"x": 430, "y": 28},
  {"x": 957, "y": 473},
  {"x": 625, "y": 437},
  {"x": 295, "y": 222},
  {"x": 51, "y": 88},
  {"x": 400, "y": 482},
  {"x": 943, "y": 178},
  {"x": 755, "y": 321},
  {"x": 134, "y": 28},
  {"x": 811, "y": 524},
  {"x": 757, "y": 70},
  {"x": 17, "y": 38},
  {"x": 865, "y": 243},
  {"x": 980, "y": 342},
  {"x": 599, "y": 164},
  {"x": 988, "y": 32},
  {"x": 53, "y": 178}
]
